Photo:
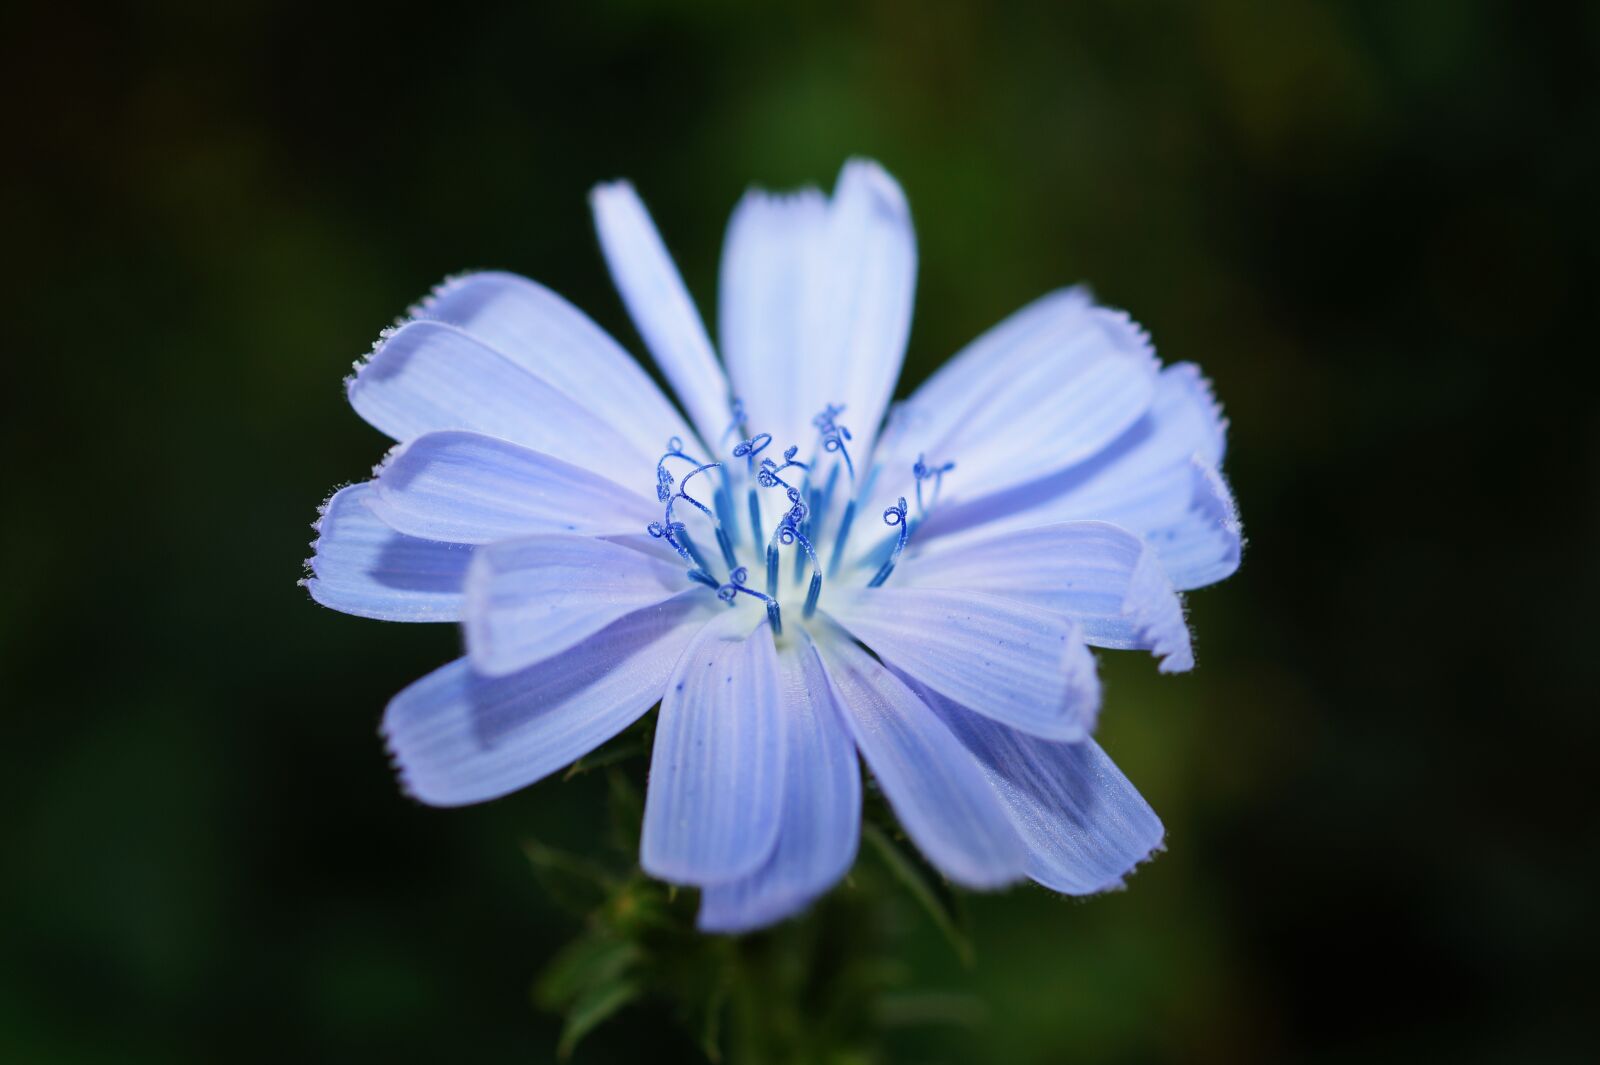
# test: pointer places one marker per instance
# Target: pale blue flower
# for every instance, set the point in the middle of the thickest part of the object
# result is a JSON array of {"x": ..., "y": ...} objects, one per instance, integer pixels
[{"x": 792, "y": 576}]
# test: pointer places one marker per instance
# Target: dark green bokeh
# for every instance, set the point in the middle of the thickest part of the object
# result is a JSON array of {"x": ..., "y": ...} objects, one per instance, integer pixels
[{"x": 1372, "y": 223}]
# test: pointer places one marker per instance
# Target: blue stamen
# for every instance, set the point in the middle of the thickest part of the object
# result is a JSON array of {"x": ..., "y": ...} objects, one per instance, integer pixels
[
  {"x": 748, "y": 450},
  {"x": 722, "y": 537},
  {"x": 820, "y": 501},
  {"x": 735, "y": 585},
  {"x": 769, "y": 476},
  {"x": 884, "y": 548},
  {"x": 683, "y": 489},
  {"x": 791, "y": 527},
  {"x": 663, "y": 477},
  {"x": 726, "y": 545},
  {"x": 683, "y": 493},
  {"x": 752, "y": 447},
  {"x": 870, "y": 482},
  {"x": 724, "y": 498},
  {"x": 669, "y": 491},
  {"x": 735, "y": 427},
  {"x": 815, "y": 589},
  {"x": 827, "y": 491},
  {"x": 834, "y": 438},
  {"x": 813, "y": 513},
  {"x": 670, "y": 532},
  {"x": 770, "y": 470},
  {"x": 834, "y": 435},
  {"x": 923, "y": 472},
  {"x": 723, "y": 501},
  {"x": 805, "y": 529},
  {"x": 843, "y": 534},
  {"x": 893, "y": 516},
  {"x": 755, "y": 516},
  {"x": 694, "y": 551},
  {"x": 674, "y": 450}
]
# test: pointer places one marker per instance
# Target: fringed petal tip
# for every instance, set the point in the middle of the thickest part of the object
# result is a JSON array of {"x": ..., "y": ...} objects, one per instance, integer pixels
[
  {"x": 1213, "y": 498},
  {"x": 359, "y": 364},
  {"x": 392, "y": 756},
  {"x": 1176, "y": 661},
  {"x": 1199, "y": 388},
  {"x": 308, "y": 567},
  {"x": 326, "y": 505},
  {"x": 1127, "y": 336},
  {"x": 866, "y": 174},
  {"x": 1106, "y": 579},
  {"x": 1157, "y": 849},
  {"x": 361, "y": 566},
  {"x": 388, "y": 458},
  {"x": 1159, "y": 615},
  {"x": 314, "y": 588},
  {"x": 1112, "y": 884},
  {"x": 397, "y": 765},
  {"x": 1217, "y": 498},
  {"x": 1204, "y": 544},
  {"x": 797, "y": 205},
  {"x": 406, "y": 782},
  {"x": 1085, "y": 825},
  {"x": 424, "y": 307},
  {"x": 605, "y": 190}
]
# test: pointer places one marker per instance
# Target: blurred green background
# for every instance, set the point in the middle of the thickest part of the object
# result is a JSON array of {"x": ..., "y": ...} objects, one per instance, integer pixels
[{"x": 1372, "y": 223}]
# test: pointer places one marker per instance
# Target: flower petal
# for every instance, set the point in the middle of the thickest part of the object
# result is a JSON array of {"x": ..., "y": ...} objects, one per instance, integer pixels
[
  {"x": 428, "y": 376},
  {"x": 1101, "y": 576},
  {"x": 872, "y": 278},
  {"x": 821, "y": 819},
  {"x": 458, "y": 737},
  {"x": 716, "y": 776},
  {"x": 816, "y": 304},
  {"x": 470, "y": 489},
  {"x": 1204, "y": 546},
  {"x": 660, "y": 306},
  {"x": 1084, "y": 824},
  {"x": 549, "y": 337},
  {"x": 531, "y": 598},
  {"x": 935, "y": 786},
  {"x": 363, "y": 567},
  {"x": 772, "y": 306},
  {"x": 942, "y": 402},
  {"x": 1145, "y": 482},
  {"x": 1009, "y": 660},
  {"x": 1141, "y": 481},
  {"x": 1040, "y": 394}
]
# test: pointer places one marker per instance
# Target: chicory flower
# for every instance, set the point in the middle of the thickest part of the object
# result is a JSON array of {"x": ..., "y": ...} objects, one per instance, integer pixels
[{"x": 795, "y": 577}]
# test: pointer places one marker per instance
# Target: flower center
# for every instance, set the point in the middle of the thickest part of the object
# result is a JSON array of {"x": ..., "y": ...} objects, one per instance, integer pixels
[{"x": 806, "y": 518}]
